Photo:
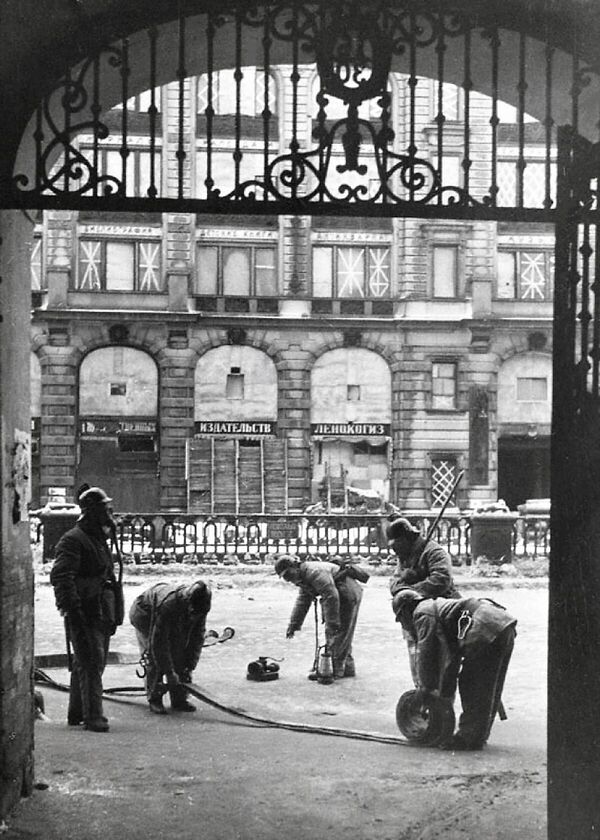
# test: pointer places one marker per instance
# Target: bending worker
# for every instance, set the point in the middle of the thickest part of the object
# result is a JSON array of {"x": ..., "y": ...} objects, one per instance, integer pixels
[
  {"x": 170, "y": 624},
  {"x": 423, "y": 565},
  {"x": 85, "y": 591},
  {"x": 469, "y": 639},
  {"x": 340, "y": 601}
]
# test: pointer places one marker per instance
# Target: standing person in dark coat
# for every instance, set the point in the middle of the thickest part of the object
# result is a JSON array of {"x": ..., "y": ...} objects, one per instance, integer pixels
[
  {"x": 84, "y": 586},
  {"x": 340, "y": 601},
  {"x": 469, "y": 639},
  {"x": 423, "y": 565},
  {"x": 170, "y": 624}
]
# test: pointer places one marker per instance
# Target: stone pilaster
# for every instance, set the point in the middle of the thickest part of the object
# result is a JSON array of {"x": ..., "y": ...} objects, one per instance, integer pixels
[
  {"x": 58, "y": 427},
  {"x": 177, "y": 364}
]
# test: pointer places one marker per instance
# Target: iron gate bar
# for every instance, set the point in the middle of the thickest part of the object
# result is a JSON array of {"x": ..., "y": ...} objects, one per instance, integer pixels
[
  {"x": 209, "y": 111},
  {"x": 549, "y": 124},
  {"x": 152, "y": 110},
  {"x": 266, "y": 111},
  {"x": 181, "y": 77},
  {"x": 521, "y": 88},
  {"x": 467, "y": 86},
  {"x": 113, "y": 203},
  {"x": 238, "y": 76},
  {"x": 494, "y": 39},
  {"x": 124, "y": 70},
  {"x": 96, "y": 111}
]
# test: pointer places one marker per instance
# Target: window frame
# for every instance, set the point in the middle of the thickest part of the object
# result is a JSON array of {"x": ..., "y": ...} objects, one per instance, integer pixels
[
  {"x": 442, "y": 455},
  {"x": 516, "y": 251},
  {"x": 366, "y": 247},
  {"x": 219, "y": 92},
  {"x": 103, "y": 241},
  {"x": 253, "y": 247},
  {"x": 458, "y": 269},
  {"x": 434, "y": 102},
  {"x": 511, "y": 160},
  {"x": 441, "y": 360},
  {"x": 37, "y": 263},
  {"x": 136, "y": 152},
  {"x": 537, "y": 401}
]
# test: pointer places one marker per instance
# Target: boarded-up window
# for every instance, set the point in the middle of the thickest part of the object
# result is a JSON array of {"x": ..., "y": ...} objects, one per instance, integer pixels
[{"x": 237, "y": 476}]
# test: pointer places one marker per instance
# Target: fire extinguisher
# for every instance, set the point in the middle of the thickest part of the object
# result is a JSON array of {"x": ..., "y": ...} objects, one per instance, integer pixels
[{"x": 325, "y": 666}]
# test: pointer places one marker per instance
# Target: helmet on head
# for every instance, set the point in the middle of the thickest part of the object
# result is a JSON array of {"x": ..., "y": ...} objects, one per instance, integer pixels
[
  {"x": 93, "y": 497},
  {"x": 199, "y": 596},
  {"x": 401, "y": 527},
  {"x": 284, "y": 563},
  {"x": 407, "y": 596},
  {"x": 404, "y": 602}
]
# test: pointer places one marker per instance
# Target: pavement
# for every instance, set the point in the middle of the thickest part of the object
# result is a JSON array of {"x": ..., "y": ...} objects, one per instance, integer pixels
[
  {"x": 209, "y": 774},
  {"x": 214, "y": 775}
]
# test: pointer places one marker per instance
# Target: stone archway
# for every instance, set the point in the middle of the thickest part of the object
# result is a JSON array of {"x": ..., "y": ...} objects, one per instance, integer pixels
[{"x": 34, "y": 55}]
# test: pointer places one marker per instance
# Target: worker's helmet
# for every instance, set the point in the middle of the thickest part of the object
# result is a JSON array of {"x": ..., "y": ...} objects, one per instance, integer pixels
[
  {"x": 407, "y": 596},
  {"x": 401, "y": 527},
  {"x": 404, "y": 602},
  {"x": 200, "y": 596},
  {"x": 285, "y": 562},
  {"x": 92, "y": 497}
]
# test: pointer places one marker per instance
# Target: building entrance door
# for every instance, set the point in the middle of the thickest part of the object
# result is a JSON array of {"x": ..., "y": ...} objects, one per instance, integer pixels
[{"x": 523, "y": 470}]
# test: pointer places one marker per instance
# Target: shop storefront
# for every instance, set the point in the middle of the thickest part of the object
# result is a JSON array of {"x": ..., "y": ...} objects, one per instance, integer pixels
[
  {"x": 236, "y": 462},
  {"x": 118, "y": 441},
  {"x": 350, "y": 430}
]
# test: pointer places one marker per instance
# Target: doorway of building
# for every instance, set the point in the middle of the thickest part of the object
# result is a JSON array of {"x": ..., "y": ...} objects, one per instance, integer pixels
[{"x": 523, "y": 469}]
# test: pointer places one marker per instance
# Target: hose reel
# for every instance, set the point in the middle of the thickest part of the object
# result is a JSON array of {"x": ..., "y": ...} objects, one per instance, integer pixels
[{"x": 424, "y": 718}]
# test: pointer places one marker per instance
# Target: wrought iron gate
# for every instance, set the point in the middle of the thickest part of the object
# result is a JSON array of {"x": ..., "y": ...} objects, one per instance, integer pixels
[
  {"x": 576, "y": 376},
  {"x": 370, "y": 161},
  {"x": 574, "y": 615}
]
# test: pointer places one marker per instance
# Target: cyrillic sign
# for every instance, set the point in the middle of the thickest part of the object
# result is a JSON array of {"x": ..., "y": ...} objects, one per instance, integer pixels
[
  {"x": 234, "y": 427},
  {"x": 350, "y": 429},
  {"x": 112, "y": 426}
]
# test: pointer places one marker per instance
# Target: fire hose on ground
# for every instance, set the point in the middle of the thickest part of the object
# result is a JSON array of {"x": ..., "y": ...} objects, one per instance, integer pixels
[
  {"x": 41, "y": 677},
  {"x": 425, "y": 721}
]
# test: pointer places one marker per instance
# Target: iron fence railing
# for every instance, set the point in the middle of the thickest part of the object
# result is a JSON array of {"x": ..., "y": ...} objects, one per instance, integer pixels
[{"x": 175, "y": 537}]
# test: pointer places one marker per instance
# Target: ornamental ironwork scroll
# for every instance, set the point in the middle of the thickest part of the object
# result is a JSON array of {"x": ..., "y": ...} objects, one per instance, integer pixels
[{"x": 376, "y": 164}]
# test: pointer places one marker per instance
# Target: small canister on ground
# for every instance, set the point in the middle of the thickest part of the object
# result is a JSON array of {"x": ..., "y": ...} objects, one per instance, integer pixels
[{"x": 262, "y": 670}]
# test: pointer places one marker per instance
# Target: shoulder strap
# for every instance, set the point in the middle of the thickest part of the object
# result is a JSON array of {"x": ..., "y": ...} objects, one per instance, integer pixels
[
  {"x": 117, "y": 550},
  {"x": 90, "y": 545}
]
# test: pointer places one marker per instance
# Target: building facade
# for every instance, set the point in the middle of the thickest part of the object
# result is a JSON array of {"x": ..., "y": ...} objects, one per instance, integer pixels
[{"x": 248, "y": 364}]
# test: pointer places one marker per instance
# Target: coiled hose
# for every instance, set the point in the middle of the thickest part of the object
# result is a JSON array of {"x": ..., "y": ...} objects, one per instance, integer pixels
[{"x": 42, "y": 678}]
